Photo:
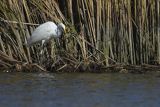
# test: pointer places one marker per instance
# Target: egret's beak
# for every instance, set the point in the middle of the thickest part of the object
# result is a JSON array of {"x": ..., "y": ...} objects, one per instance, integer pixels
[
  {"x": 64, "y": 31},
  {"x": 62, "y": 36}
]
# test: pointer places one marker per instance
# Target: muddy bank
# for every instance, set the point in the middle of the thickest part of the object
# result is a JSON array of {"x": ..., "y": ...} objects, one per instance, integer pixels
[{"x": 95, "y": 68}]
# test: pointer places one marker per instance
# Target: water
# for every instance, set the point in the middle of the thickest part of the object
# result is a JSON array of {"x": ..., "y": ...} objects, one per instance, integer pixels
[{"x": 79, "y": 90}]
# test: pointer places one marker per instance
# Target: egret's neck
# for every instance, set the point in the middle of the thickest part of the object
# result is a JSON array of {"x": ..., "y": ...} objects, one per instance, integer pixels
[{"x": 59, "y": 32}]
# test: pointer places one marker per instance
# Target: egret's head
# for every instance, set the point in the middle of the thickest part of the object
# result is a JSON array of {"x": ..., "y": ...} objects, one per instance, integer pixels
[{"x": 62, "y": 27}]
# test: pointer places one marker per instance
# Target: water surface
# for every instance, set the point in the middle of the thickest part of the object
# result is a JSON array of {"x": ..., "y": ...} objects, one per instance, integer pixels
[{"x": 79, "y": 90}]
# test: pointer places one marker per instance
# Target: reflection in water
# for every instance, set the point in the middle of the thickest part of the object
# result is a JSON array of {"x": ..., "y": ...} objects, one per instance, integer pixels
[{"x": 79, "y": 90}]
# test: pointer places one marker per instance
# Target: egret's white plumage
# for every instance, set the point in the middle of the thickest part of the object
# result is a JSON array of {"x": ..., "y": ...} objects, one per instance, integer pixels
[{"x": 45, "y": 32}]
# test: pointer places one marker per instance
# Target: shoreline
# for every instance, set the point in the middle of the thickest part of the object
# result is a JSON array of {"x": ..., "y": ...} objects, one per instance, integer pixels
[{"x": 91, "y": 68}]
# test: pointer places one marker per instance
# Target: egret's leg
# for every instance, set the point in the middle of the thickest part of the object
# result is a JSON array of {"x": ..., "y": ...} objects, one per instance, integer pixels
[
  {"x": 58, "y": 43},
  {"x": 42, "y": 51},
  {"x": 43, "y": 41}
]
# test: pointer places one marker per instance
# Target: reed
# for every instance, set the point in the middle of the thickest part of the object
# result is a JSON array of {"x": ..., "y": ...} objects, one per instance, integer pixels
[{"x": 102, "y": 32}]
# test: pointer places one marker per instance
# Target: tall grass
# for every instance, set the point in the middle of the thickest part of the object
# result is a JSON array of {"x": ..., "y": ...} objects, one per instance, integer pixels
[{"x": 98, "y": 31}]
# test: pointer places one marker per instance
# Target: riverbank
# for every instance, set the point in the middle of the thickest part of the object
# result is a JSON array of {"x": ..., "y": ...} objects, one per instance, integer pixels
[{"x": 92, "y": 68}]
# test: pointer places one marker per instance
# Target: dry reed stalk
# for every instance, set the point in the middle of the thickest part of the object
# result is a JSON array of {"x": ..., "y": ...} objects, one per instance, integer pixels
[{"x": 158, "y": 29}]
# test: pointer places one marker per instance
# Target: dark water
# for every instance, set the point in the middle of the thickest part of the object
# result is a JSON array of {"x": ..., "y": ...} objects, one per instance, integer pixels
[{"x": 79, "y": 90}]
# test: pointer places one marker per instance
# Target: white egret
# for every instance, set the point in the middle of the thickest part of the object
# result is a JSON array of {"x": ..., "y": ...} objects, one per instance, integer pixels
[{"x": 45, "y": 32}]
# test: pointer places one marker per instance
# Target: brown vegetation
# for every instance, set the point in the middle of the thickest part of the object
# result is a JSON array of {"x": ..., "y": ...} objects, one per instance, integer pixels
[{"x": 99, "y": 33}]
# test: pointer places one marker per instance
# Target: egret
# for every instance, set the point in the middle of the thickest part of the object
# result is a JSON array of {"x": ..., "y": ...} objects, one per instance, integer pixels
[{"x": 45, "y": 32}]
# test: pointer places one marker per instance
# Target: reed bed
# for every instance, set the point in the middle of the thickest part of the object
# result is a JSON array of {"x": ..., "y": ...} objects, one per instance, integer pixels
[{"x": 99, "y": 32}]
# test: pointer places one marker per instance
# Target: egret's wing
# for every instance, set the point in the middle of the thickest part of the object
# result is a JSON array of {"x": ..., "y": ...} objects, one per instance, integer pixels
[{"x": 43, "y": 32}]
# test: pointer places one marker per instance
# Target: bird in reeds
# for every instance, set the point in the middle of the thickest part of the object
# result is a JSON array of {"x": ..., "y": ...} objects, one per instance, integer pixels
[{"x": 45, "y": 32}]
